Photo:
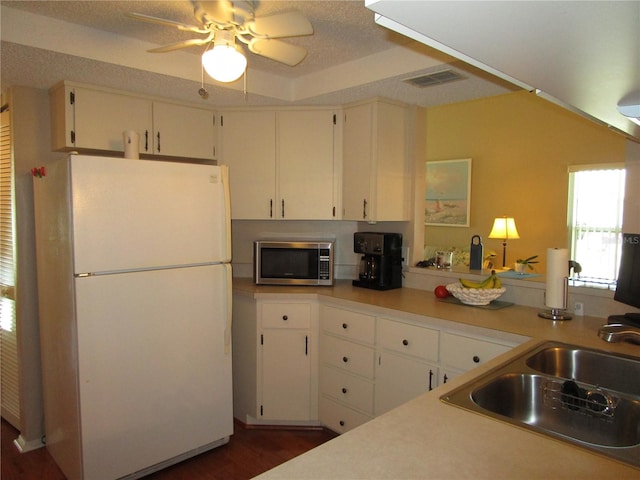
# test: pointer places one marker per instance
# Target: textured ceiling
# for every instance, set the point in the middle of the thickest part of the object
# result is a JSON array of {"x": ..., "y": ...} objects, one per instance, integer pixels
[{"x": 344, "y": 34}]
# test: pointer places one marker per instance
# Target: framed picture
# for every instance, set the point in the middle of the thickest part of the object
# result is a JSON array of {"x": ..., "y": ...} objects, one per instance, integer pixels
[{"x": 448, "y": 193}]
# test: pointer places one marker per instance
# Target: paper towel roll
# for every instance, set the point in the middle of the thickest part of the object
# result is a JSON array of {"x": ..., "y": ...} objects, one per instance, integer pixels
[
  {"x": 131, "y": 141},
  {"x": 557, "y": 272}
]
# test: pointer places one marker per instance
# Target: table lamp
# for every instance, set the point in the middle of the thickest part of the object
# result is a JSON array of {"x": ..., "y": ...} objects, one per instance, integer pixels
[{"x": 504, "y": 228}]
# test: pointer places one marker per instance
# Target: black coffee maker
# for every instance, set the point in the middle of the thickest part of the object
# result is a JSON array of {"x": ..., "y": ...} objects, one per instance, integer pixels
[{"x": 381, "y": 262}]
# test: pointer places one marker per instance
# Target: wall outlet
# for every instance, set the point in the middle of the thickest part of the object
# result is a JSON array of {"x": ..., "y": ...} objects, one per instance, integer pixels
[
  {"x": 578, "y": 309},
  {"x": 405, "y": 256}
]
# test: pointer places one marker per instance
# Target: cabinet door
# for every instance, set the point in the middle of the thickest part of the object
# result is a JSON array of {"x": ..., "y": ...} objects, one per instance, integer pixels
[
  {"x": 181, "y": 131},
  {"x": 306, "y": 165},
  {"x": 464, "y": 353},
  {"x": 356, "y": 170},
  {"x": 286, "y": 374},
  {"x": 408, "y": 339},
  {"x": 389, "y": 182},
  {"x": 101, "y": 117},
  {"x": 400, "y": 379},
  {"x": 248, "y": 148}
]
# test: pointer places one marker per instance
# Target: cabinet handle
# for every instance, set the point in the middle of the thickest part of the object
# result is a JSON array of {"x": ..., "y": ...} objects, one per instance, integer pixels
[
  {"x": 158, "y": 136},
  {"x": 445, "y": 378},
  {"x": 345, "y": 359},
  {"x": 364, "y": 208},
  {"x": 430, "y": 379},
  {"x": 285, "y": 318},
  {"x": 345, "y": 326},
  {"x": 271, "y": 208},
  {"x": 282, "y": 210},
  {"x": 146, "y": 140},
  {"x": 344, "y": 390},
  {"x": 306, "y": 345},
  {"x": 405, "y": 342},
  {"x": 341, "y": 423},
  {"x": 476, "y": 359}
]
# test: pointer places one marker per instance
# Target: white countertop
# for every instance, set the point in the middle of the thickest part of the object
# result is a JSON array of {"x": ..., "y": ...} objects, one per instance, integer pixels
[{"x": 428, "y": 439}]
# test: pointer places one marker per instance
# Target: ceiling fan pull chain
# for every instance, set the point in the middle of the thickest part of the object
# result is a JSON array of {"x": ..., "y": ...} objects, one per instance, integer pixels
[
  {"x": 246, "y": 97},
  {"x": 203, "y": 91}
]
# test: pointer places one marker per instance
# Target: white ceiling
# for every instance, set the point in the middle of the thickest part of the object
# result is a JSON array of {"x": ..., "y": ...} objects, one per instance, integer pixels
[
  {"x": 350, "y": 57},
  {"x": 584, "y": 55}
]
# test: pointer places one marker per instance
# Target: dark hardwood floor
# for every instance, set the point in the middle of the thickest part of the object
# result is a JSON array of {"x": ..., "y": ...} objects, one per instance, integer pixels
[{"x": 249, "y": 453}]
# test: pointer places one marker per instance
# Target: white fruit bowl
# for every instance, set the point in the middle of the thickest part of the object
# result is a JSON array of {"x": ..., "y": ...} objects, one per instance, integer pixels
[{"x": 475, "y": 296}]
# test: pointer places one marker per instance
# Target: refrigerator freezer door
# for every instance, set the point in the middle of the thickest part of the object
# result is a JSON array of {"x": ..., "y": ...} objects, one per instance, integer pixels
[
  {"x": 155, "y": 381},
  {"x": 137, "y": 214}
]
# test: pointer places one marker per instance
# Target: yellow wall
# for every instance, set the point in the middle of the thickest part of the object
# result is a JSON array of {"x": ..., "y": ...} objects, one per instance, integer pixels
[{"x": 521, "y": 146}]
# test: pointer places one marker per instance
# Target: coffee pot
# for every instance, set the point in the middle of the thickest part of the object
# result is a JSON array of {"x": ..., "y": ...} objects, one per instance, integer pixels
[{"x": 381, "y": 263}]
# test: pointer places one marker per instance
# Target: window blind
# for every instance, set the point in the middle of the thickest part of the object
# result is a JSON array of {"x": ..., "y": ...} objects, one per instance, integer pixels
[
  {"x": 595, "y": 219},
  {"x": 10, "y": 397}
]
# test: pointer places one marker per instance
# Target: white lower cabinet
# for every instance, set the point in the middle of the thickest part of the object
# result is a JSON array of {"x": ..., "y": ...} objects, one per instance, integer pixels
[
  {"x": 460, "y": 353},
  {"x": 400, "y": 379},
  {"x": 347, "y": 368},
  {"x": 275, "y": 361},
  {"x": 309, "y": 362},
  {"x": 406, "y": 366}
]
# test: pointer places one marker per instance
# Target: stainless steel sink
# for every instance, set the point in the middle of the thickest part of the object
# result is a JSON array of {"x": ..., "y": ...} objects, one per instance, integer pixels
[
  {"x": 586, "y": 397},
  {"x": 589, "y": 366}
]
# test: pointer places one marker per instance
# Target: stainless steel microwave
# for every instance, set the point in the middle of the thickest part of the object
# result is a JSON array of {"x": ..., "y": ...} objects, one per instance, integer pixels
[{"x": 293, "y": 262}]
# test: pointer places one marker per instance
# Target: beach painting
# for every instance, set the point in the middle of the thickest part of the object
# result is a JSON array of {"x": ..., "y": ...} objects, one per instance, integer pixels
[{"x": 448, "y": 193}]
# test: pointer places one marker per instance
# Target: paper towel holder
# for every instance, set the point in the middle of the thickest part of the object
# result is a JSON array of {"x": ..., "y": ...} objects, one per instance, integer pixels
[{"x": 558, "y": 314}]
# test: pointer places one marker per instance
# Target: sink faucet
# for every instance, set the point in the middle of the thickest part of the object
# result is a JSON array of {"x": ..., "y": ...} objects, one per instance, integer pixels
[{"x": 617, "y": 332}]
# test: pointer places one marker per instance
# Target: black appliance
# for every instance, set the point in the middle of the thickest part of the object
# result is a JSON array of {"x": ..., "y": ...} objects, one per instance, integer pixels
[{"x": 381, "y": 261}]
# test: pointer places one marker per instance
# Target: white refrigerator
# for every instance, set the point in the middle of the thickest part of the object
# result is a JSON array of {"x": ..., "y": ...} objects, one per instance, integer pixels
[{"x": 134, "y": 281}]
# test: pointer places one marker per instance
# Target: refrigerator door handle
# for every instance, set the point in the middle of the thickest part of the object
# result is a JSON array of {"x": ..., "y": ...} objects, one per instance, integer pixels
[
  {"x": 224, "y": 172},
  {"x": 227, "y": 329}
]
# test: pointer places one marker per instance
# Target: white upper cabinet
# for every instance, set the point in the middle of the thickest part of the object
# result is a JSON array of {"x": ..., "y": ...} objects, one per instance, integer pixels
[
  {"x": 88, "y": 118},
  {"x": 306, "y": 164},
  {"x": 249, "y": 149},
  {"x": 182, "y": 131},
  {"x": 83, "y": 118},
  {"x": 374, "y": 173},
  {"x": 281, "y": 163}
]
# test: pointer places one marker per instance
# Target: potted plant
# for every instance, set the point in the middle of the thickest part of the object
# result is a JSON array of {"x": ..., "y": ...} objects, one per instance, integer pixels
[{"x": 521, "y": 265}]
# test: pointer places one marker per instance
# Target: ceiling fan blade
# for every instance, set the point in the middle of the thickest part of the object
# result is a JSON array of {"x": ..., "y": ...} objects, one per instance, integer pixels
[
  {"x": 183, "y": 44},
  {"x": 289, "y": 24},
  {"x": 168, "y": 23},
  {"x": 278, "y": 50},
  {"x": 218, "y": 12}
]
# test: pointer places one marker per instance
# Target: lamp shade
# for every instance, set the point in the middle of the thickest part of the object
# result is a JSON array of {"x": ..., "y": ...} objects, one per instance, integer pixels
[
  {"x": 224, "y": 62},
  {"x": 505, "y": 228}
]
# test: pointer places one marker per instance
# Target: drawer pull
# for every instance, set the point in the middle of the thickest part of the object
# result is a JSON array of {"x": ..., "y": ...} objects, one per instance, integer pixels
[
  {"x": 345, "y": 359},
  {"x": 476, "y": 359},
  {"x": 285, "y": 317},
  {"x": 344, "y": 390},
  {"x": 345, "y": 326},
  {"x": 405, "y": 342},
  {"x": 341, "y": 423}
]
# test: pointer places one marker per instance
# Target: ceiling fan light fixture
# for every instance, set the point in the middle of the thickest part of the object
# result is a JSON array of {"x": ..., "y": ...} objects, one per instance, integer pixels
[{"x": 224, "y": 62}]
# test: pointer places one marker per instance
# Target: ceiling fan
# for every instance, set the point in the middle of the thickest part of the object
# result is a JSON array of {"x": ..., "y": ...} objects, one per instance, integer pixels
[{"x": 223, "y": 22}]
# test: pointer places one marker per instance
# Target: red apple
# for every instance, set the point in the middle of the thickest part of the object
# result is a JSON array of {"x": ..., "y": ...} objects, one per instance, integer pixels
[{"x": 441, "y": 291}]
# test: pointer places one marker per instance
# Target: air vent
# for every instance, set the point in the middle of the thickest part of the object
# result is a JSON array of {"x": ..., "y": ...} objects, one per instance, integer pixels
[{"x": 436, "y": 78}]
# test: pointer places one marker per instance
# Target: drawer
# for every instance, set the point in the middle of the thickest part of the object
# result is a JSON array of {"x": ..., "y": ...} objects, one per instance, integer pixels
[
  {"x": 465, "y": 353},
  {"x": 286, "y": 315},
  {"x": 340, "y": 418},
  {"x": 411, "y": 340},
  {"x": 348, "y": 356},
  {"x": 354, "y": 391},
  {"x": 348, "y": 324}
]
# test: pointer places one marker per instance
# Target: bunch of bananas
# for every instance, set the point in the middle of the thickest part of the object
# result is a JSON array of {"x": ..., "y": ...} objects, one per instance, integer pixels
[{"x": 491, "y": 281}]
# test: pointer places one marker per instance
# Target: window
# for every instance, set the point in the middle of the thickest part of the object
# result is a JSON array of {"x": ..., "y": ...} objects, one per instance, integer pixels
[{"x": 596, "y": 197}]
